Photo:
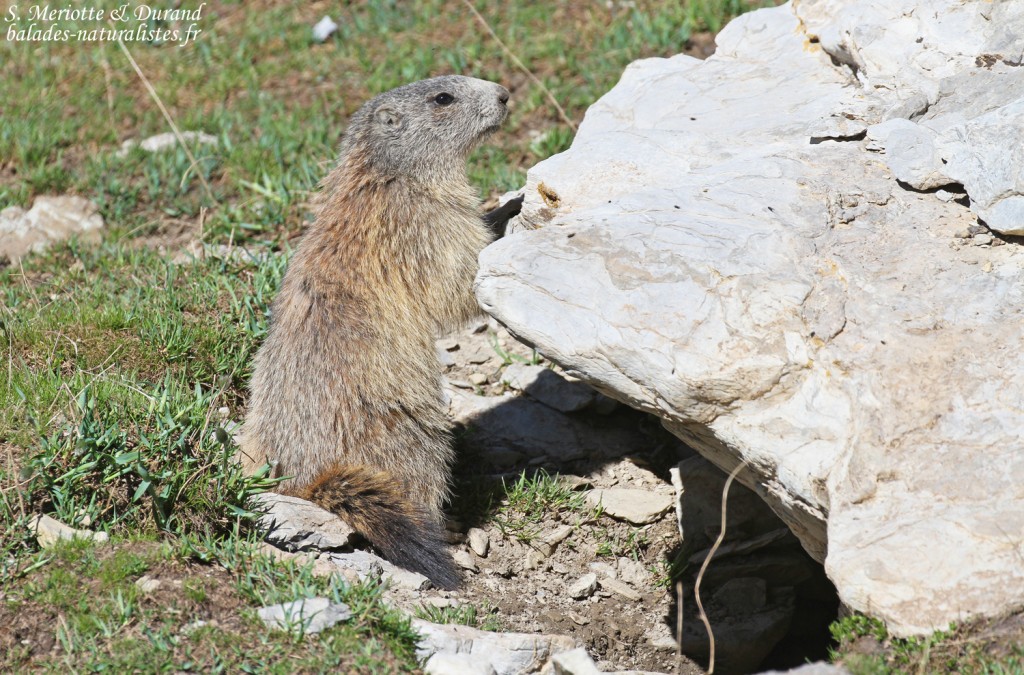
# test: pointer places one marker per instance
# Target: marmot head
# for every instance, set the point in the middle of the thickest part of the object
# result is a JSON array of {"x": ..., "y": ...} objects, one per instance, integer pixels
[{"x": 427, "y": 128}]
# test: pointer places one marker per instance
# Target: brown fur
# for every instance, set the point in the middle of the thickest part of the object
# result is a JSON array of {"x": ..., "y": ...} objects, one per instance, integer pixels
[{"x": 346, "y": 395}]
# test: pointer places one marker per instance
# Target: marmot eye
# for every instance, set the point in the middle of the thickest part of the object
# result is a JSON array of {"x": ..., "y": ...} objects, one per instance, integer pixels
[{"x": 444, "y": 99}]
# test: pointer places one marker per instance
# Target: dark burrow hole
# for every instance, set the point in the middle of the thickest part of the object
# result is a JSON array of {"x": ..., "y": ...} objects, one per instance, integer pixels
[{"x": 769, "y": 603}]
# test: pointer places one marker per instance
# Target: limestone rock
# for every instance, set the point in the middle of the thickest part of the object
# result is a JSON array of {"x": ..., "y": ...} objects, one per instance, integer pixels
[
  {"x": 619, "y": 588},
  {"x": 167, "y": 140},
  {"x": 720, "y": 248},
  {"x": 368, "y": 566},
  {"x": 49, "y": 531},
  {"x": 297, "y": 525},
  {"x": 479, "y": 541},
  {"x": 50, "y": 219},
  {"x": 506, "y": 653},
  {"x": 635, "y": 506},
  {"x": 457, "y": 664},
  {"x": 310, "y": 615},
  {"x": 574, "y": 662},
  {"x": 583, "y": 587}
]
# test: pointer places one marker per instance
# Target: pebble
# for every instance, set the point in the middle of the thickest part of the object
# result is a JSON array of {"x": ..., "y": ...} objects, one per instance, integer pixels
[
  {"x": 324, "y": 29},
  {"x": 633, "y": 572},
  {"x": 464, "y": 560},
  {"x": 478, "y": 379},
  {"x": 616, "y": 586},
  {"x": 534, "y": 559},
  {"x": 479, "y": 541},
  {"x": 983, "y": 239},
  {"x": 583, "y": 587},
  {"x": 550, "y": 541},
  {"x": 148, "y": 584}
]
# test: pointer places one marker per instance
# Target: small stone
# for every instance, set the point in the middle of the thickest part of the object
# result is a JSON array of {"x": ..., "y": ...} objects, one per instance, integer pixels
[
  {"x": 578, "y": 619},
  {"x": 633, "y": 572},
  {"x": 983, "y": 239},
  {"x": 534, "y": 559},
  {"x": 986, "y": 266},
  {"x": 639, "y": 507},
  {"x": 574, "y": 662},
  {"x": 324, "y": 29},
  {"x": 458, "y": 664},
  {"x": 478, "y": 379},
  {"x": 461, "y": 384},
  {"x": 311, "y": 615},
  {"x": 583, "y": 587},
  {"x": 465, "y": 560},
  {"x": 148, "y": 584},
  {"x": 49, "y": 531},
  {"x": 604, "y": 569},
  {"x": 550, "y": 541},
  {"x": 616, "y": 586},
  {"x": 479, "y": 541},
  {"x": 660, "y": 637}
]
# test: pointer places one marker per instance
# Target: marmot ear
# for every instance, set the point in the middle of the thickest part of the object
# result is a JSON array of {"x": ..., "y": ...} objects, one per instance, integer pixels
[{"x": 388, "y": 117}]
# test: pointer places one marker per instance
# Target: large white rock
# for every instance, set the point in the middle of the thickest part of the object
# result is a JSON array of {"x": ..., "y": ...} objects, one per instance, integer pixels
[{"x": 725, "y": 246}]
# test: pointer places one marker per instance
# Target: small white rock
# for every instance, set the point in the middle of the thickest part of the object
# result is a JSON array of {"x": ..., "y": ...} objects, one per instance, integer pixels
[
  {"x": 49, "y": 531},
  {"x": 583, "y": 587},
  {"x": 312, "y": 615},
  {"x": 478, "y": 379},
  {"x": 616, "y": 586},
  {"x": 464, "y": 560},
  {"x": 479, "y": 541},
  {"x": 148, "y": 584},
  {"x": 324, "y": 29}
]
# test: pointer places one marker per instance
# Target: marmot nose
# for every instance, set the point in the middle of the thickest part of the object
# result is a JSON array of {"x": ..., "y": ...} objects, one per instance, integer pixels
[{"x": 503, "y": 95}]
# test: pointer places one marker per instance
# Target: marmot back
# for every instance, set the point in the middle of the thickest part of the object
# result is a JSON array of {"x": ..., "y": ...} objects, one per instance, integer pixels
[{"x": 346, "y": 393}]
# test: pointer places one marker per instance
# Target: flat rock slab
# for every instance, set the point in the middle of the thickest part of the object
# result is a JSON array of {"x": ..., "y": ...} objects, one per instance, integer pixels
[
  {"x": 297, "y": 525},
  {"x": 49, "y": 220},
  {"x": 305, "y": 616},
  {"x": 639, "y": 507},
  {"x": 729, "y": 245},
  {"x": 506, "y": 653}
]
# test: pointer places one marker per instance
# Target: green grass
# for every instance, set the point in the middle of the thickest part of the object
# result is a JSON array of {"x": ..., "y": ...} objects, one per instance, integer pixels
[
  {"x": 121, "y": 364},
  {"x": 464, "y": 615},
  {"x": 960, "y": 649},
  {"x": 533, "y": 498},
  {"x": 106, "y": 622}
]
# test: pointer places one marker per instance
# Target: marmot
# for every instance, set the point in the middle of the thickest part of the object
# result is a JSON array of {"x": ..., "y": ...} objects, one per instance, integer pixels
[{"x": 346, "y": 391}]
